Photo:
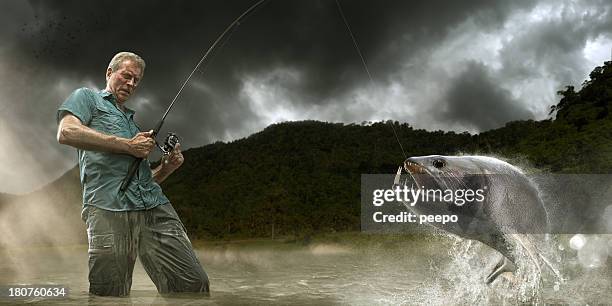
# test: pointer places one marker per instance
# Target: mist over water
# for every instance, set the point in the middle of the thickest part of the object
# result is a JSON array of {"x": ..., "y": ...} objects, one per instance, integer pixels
[
  {"x": 352, "y": 269},
  {"x": 35, "y": 225}
]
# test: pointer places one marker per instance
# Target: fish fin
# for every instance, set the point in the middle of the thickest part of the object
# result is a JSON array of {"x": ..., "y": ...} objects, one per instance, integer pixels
[{"x": 504, "y": 265}]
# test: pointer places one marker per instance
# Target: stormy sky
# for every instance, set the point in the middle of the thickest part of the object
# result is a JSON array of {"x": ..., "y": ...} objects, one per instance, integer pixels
[{"x": 450, "y": 65}]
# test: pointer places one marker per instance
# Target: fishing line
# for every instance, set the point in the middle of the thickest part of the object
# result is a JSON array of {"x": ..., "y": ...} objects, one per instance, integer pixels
[{"x": 365, "y": 66}]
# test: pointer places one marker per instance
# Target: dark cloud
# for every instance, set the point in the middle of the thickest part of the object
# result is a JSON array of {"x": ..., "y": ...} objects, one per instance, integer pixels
[
  {"x": 73, "y": 38},
  {"x": 554, "y": 41},
  {"x": 308, "y": 35},
  {"x": 296, "y": 55},
  {"x": 475, "y": 100}
]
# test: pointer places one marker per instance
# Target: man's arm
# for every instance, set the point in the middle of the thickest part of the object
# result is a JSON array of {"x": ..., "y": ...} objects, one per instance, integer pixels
[
  {"x": 168, "y": 164},
  {"x": 72, "y": 132}
]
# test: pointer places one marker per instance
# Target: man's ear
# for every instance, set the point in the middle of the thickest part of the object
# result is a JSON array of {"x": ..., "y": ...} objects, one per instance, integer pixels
[{"x": 109, "y": 70}]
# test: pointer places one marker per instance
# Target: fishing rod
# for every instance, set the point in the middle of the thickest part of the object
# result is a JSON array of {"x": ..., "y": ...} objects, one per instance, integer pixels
[{"x": 136, "y": 163}]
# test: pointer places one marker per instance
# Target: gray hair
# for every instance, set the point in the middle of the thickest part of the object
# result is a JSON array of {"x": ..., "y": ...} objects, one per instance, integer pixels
[{"x": 122, "y": 56}]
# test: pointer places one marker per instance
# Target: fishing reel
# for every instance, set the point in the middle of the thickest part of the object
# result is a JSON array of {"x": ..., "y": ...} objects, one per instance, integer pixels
[{"x": 169, "y": 143}]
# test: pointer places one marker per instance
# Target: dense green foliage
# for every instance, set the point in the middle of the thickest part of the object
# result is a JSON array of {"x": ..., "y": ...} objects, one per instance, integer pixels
[
  {"x": 298, "y": 178},
  {"x": 293, "y": 177}
]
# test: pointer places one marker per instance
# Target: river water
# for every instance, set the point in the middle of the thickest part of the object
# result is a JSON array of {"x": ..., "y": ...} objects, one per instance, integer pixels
[{"x": 353, "y": 269}]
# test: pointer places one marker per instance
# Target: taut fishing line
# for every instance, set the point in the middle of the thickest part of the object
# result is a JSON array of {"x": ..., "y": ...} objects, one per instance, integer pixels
[{"x": 365, "y": 66}]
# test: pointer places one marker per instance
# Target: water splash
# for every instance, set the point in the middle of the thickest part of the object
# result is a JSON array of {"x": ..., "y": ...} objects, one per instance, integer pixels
[
  {"x": 577, "y": 242},
  {"x": 593, "y": 250},
  {"x": 462, "y": 278}
]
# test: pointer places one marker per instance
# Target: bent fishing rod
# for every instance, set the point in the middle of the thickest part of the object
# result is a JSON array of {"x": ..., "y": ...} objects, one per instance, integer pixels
[{"x": 136, "y": 163}]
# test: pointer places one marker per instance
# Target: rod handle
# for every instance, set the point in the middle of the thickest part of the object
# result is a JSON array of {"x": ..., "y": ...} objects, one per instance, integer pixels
[{"x": 133, "y": 168}]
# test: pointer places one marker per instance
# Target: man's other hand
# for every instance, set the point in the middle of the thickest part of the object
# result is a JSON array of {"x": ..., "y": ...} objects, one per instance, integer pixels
[
  {"x": 142, "y": 144},
  {"x": 174, "y": 160}
]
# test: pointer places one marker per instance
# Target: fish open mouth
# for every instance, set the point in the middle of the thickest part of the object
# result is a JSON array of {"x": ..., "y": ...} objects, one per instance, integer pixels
[
  {"x": 417, "y": 178},
  {"x": 411, "y": 168},
  {"x": 418, "y": 174}
]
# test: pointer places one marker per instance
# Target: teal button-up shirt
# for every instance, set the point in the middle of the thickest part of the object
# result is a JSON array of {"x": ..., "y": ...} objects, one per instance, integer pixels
[{"x": 102, "y": 173}]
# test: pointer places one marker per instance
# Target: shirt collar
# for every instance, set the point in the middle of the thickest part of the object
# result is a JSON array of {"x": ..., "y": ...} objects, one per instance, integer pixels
[{"x": 107, "y": 95}]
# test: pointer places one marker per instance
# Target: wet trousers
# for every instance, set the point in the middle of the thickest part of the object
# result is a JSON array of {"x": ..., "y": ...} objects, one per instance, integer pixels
[{"x": 158, "y": 235}]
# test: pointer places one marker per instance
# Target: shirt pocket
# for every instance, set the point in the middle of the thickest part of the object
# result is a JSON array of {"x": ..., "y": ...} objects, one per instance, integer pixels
[{"x": 109, "y": 121}]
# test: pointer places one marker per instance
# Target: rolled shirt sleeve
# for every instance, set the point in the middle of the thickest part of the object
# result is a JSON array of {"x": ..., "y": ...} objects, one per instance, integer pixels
[{"x": 80, "y": 104}]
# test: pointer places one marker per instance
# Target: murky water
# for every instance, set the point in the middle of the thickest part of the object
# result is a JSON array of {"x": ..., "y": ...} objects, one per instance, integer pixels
[{"x": 357, "y": 270}]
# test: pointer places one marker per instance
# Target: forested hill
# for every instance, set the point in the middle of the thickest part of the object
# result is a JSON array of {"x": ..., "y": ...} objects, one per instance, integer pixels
[
  {"x": 294, "y": 177},
  {"x": 298, "y": 178}
]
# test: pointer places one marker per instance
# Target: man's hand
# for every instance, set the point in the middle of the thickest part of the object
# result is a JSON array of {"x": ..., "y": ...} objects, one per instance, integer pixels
[
  {"x": 168, "y": 164},
  {"x": 142, "y": 144},
  {"x": 171, "y": 162}
]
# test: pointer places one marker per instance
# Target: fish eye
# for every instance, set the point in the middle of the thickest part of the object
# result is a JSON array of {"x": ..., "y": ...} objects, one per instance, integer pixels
[{"x": 439, "y": 163}]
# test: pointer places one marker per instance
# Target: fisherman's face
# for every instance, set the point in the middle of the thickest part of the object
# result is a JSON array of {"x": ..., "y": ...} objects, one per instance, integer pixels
[{"x": 123, "y": 82}]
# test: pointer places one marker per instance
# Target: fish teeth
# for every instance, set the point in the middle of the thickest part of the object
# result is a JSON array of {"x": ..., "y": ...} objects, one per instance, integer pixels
[{"x": 408, "y": 164}]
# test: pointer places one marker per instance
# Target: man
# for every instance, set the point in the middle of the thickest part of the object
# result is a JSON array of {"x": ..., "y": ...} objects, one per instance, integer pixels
[{"x": 121, "y": 225}]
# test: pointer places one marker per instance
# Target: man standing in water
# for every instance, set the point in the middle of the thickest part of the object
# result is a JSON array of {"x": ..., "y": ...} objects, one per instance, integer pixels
[{"x": 141, "y": 220}]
